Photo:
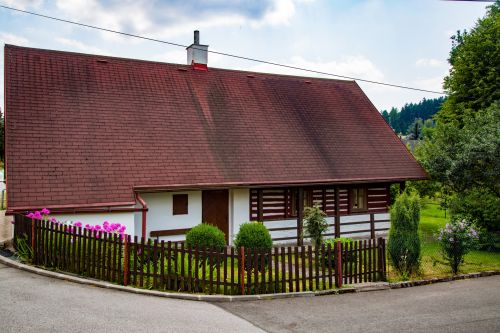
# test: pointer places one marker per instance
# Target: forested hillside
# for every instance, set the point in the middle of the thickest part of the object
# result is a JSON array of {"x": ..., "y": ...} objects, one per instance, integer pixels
[{"x": 401, "y": 120}]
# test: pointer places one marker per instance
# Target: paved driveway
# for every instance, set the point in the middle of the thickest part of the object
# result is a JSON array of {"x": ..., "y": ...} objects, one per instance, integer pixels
[
  {"x": 33, "y": 303},
  {"x": 29, "y": 303},
  {"x": 459, "y": 306}
]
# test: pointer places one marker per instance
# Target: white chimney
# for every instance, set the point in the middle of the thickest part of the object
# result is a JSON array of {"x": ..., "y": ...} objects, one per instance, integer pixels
[{"x": 197, "y": 54}]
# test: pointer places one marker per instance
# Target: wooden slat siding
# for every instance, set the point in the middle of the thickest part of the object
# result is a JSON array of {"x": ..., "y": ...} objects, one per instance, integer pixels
[
  {"x": 378, "y": 199},
  {"x": 343, "y": 201}
]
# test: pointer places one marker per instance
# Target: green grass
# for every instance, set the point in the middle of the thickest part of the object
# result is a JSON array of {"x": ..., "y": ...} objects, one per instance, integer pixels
[{"x": 432, "y": 263}]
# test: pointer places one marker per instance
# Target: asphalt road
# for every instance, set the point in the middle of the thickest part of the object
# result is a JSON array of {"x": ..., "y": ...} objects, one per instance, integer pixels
[
  {"x": 29, "y": 303},
  {"x": 459, "y": 306},
  {"x": 33, "y": 303}
]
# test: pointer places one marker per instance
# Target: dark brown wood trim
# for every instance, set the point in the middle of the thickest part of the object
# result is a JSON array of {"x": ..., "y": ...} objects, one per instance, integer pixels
[
  {"x": 300, "y": 214},
  {"x": 260, "y": 205},
  {"x": 170, "y": 232}
]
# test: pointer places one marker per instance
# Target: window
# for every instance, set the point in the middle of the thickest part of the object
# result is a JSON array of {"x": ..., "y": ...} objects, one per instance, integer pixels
[
  {"x": 358, "y": 200},
  {"x": 179, "y": 204},
  {"x": 308, "y": 200}
]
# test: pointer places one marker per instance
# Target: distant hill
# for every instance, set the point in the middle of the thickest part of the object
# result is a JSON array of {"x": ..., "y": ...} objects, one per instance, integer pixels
[{"x": 400, "y": 120}]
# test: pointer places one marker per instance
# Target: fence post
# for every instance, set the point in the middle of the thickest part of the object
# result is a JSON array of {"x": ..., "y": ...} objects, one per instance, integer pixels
[
  {"x": 126, "y": 260},
  {"x": 338, "y": 265},
  {"x": 33, "y": 241},
  {"x": 381, "y": 259},
  {"x": 372, "y": 226},
  {"x": 242, "y": 270}
]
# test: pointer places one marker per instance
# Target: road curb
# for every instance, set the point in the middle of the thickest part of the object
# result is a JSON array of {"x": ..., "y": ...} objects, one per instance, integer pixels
[{"x": 237, "y": 298}]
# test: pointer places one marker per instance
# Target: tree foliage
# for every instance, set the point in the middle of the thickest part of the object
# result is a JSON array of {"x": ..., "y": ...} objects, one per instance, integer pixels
[
  {"x": 474, "y": 78},
  {"x": 315, "y": 224},
  {"x": 401, "y": 121}
]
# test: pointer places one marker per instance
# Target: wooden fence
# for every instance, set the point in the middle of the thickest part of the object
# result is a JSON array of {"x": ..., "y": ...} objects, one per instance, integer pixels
[{"x": 173, "y": 266}]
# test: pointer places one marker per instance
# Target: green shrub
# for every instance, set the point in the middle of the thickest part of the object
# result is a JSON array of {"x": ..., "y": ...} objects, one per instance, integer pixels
[
  {"x": 206, "y": 236},
  {"x": 344, "y": 240},
  {"x": 404, "y": 242},
  {"x": 253, "y": 235},
  {"x": 315, "y": 224}
]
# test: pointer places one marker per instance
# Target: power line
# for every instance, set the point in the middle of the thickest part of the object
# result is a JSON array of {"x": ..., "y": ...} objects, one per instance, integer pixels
[{"x": 223, "y": 53}]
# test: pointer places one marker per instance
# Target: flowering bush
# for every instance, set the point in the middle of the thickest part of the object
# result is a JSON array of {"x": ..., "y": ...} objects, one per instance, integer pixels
[
  {"x": 457, "y": 239},
  {"x": 106, "y": 226}
]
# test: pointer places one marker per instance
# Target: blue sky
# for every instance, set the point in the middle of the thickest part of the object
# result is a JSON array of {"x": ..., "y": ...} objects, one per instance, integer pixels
[{"x": 401, "y": 42}]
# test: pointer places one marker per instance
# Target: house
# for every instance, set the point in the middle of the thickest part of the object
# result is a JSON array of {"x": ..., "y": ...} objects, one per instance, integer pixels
[{"x": 162, "y": 147}]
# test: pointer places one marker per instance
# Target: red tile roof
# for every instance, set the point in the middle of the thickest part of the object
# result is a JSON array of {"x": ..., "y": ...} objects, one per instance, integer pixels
[{"x": 87, "y": 129}]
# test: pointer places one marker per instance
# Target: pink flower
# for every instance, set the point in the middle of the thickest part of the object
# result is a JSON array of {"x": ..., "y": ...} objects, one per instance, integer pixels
[
  {"x": 45, "y": 211},
  {"x": 77, "y": 224},
  {"x": 53, "y": 220},
  {"x": 30, "y": 215},
  {"x": 37, "y": 215}
]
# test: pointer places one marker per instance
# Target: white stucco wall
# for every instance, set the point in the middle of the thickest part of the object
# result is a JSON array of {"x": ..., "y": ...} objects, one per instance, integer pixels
[
  {"x": 239, "y": 210},
  {"x": 126, "y": 219},
  {"x": 160, "y": 217}
]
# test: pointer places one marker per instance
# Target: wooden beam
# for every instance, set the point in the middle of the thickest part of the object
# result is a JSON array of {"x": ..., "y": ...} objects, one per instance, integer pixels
[
  {"x": 300, "y": 215},
  {"x": 337, "y": 212},
  {"x": 170, "y": 232},
  {"x": 260, "y": 205}
]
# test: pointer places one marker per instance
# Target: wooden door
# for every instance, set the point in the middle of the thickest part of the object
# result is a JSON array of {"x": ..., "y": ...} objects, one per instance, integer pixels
[{"x": 215, "y": 209}]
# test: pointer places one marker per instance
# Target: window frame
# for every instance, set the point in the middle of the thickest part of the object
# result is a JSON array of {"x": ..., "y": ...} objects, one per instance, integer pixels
[
  {"x": 352, "y": 196},
  {"x": 180, "y": 207}
]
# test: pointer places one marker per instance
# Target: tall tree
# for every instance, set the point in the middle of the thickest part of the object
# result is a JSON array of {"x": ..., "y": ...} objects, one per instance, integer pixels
[{"x": 474, "y": 79}]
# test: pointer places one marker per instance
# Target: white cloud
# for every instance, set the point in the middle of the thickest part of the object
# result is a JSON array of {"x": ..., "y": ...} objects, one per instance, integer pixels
[
  {"x": 433, "y": 83},
  {"x": 79, "y": 46},
  {"x": 352, "y": 66},
  {"x": 429, "y": 62},
  {"x": 8, "y": 38},
  {"x": 177, "y": 17},
  {"x": 22, "y": 4}
]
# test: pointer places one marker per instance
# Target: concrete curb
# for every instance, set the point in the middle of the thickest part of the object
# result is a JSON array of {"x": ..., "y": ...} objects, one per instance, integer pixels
[
  {"x": 364, "y": 287},
  {"x": 415, "y": 283}
]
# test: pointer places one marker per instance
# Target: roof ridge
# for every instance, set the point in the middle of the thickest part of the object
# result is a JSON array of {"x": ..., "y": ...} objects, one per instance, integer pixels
[{"x": 7, "y": 46}]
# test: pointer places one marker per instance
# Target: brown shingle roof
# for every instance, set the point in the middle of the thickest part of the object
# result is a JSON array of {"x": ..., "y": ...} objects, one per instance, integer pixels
[{"x": 86, "y": 129}]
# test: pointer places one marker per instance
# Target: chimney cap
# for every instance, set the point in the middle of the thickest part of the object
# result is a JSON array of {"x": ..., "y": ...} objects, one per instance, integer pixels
[{"x": 196, "y": 37}]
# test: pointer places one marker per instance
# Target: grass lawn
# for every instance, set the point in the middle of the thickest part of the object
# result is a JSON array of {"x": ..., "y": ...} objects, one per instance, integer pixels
[{"x": 433, "y": 264}]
